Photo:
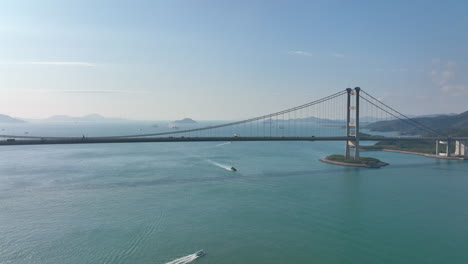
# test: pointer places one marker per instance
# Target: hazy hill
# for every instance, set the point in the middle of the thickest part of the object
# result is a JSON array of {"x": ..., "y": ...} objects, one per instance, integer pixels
[
  {"x": 185, "y": 121},
  {"x": 9, "y": 119},
  {"x": 322, "y": 120},
  {"x": 311, "y": 119},
  {"x": 86, "y": 118},
  {"x": 443, "y": 124},
  {"x": 436, "y": 115}
]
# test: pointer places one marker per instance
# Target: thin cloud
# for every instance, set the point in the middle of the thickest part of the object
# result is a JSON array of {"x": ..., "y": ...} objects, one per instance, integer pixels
[
  {"x": 455, "y": 90},
  {"x": 393, "y": 70},
  {"x": 338, "y": 55},
  {"x": 54, "y": 63},
  {"x": 88, "y": 91},
  {"x": 450, "y": 78},
  {"x": 451, "y": 64},
  {"x": 61, "y": 63},
  {"x": 300, "y": 53}
]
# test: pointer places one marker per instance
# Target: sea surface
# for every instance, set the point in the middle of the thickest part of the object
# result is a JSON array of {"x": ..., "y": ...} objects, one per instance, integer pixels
[{"x": 162, "y": 202}]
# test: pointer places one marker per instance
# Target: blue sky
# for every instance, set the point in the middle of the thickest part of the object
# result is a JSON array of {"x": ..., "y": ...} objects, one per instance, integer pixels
[{"x": 228, "y": 59}]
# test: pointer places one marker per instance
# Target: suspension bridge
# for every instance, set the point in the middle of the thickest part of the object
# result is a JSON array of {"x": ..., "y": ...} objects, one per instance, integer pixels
[{"x": 342, "y": 116}]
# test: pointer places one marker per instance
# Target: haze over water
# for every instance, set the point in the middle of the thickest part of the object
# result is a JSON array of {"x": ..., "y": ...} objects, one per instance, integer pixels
[{"x": 158, "y": 202}]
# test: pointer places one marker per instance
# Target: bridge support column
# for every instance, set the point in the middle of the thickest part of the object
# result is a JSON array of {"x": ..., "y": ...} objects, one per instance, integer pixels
[
  {"x": 356, "y": 143},
  {"x": 348, "y": 120},
  {"x": 448, "y": 147},
  {"x": 464, "y": 149},
  {"x": 440, "y": 148},
  {"x": 460, "y": 148}
]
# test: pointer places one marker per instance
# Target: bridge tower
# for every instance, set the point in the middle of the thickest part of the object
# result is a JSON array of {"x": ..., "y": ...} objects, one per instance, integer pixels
[
  {"x": 352, "y": 127},
  {"x": 348, "y": 120}
]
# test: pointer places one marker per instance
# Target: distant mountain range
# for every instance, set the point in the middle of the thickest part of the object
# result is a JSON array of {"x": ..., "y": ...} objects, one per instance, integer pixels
[
  {"x": 444, "y": 124},
  {"x": 322, "y": 120},
  {"x": 306, "y": 119},
  {"x": 433, "y": 115},
  {"x": 362, "y": 119},
  {"x": 86, "y": 118},
  {"x": 377, "y": 125},
  {"x": 9, "y": 119}
]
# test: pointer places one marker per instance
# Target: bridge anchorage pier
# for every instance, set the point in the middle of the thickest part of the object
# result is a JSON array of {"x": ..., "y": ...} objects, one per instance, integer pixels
[
  {"x": 352, "y": 135},
  {"x": 461, "y": 149}
]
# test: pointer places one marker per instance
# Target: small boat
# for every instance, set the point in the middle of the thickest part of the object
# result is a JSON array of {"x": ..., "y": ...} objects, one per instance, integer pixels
[
  {"x": 233, "y": 169},
  {"x": 200, "y": 253}
]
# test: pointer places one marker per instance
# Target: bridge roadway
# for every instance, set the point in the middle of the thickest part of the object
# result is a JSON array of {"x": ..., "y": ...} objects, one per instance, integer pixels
[{"x": 95, "y": 140}]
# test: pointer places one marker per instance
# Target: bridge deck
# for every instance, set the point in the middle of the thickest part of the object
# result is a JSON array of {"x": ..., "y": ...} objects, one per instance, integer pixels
[{"x": 96, "y": 140}]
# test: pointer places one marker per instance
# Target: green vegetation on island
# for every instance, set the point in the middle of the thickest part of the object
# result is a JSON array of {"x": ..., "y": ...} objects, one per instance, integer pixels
[
  {"x": 458, "y": 132},
  {"x": 446, "y": 125},
  {"x": 425, "y": 146},
  {"x": 363, "y": 161}
]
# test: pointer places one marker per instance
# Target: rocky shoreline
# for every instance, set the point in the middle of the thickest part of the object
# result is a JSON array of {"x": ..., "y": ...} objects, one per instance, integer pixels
[{"x": 349, "y": 164}]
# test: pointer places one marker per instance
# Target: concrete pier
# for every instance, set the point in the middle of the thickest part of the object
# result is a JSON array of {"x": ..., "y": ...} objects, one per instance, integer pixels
[{"x": 461, "y": 149}]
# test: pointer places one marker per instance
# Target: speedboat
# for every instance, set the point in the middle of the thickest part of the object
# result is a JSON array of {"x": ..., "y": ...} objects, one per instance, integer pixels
[
  {"x": 200, "y": 253},
  {"x": 233, "y": 169}
]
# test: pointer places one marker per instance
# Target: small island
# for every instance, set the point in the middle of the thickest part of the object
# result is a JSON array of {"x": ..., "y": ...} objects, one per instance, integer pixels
[
  {"x": 185, "y": 121},
  {"x": 365, "y": 162}
]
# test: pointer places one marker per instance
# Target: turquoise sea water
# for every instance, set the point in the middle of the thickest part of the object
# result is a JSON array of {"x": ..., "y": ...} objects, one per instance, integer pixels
[{"x": 157, "y": 202}]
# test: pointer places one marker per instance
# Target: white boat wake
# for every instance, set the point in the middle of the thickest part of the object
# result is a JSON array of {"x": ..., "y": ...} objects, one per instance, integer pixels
[
  {"x": 226, "y": 167},
  {"x": 222, "y": 144},
  {"x": 183, "y": 260}
]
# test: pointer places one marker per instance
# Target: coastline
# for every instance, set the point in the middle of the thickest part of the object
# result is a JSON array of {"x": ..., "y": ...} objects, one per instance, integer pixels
[{"x": 422, "y": 154}]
